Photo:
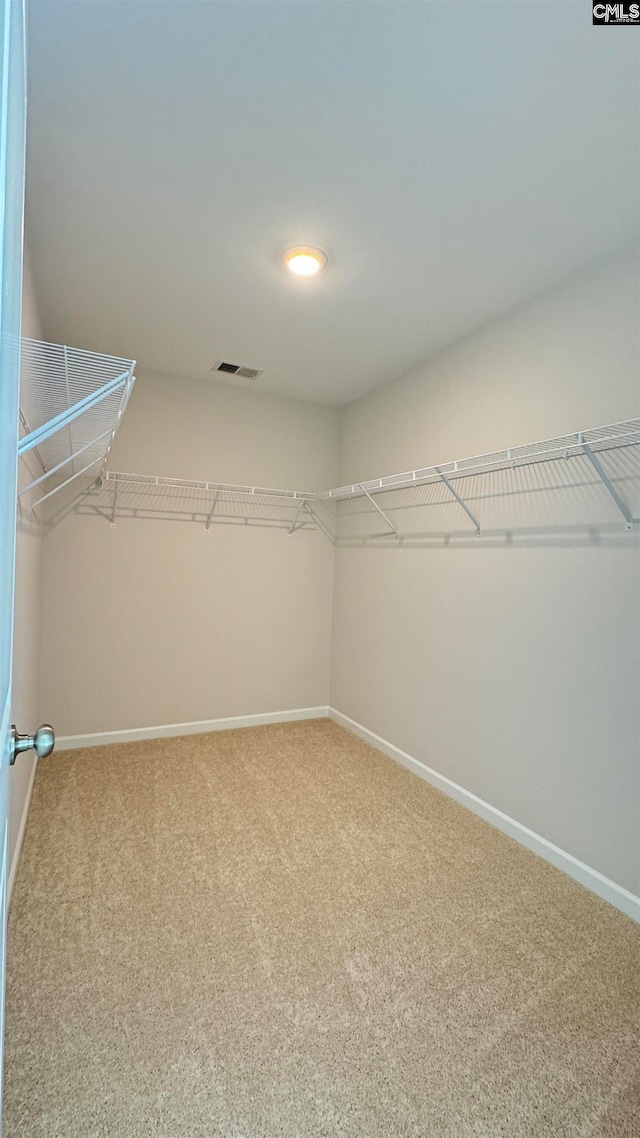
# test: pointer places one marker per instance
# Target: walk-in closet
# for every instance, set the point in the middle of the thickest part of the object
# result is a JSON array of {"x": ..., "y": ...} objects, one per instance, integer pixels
[{"x": 320, "y": 524}]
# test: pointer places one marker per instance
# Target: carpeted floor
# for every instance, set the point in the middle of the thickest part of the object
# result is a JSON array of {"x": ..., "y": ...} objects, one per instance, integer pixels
[{"x": 279, "y": 932}]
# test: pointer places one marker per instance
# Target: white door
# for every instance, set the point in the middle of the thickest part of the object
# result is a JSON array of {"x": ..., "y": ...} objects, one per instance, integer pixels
[{"x": 12, "y": 150}]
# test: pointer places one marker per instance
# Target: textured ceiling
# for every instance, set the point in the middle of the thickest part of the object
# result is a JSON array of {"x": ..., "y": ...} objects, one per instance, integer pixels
[{"x": 453, "y": 159}]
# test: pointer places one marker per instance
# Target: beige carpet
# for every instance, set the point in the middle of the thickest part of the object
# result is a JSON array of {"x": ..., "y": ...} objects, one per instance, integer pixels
[{"x": 279, "y": 932}]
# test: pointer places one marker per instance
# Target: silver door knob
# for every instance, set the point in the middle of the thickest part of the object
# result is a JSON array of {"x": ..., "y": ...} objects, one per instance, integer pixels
[{"x": 42, "y": 742}]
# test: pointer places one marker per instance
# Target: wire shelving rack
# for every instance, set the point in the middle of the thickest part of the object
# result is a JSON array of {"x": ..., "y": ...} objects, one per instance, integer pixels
[
  {"x": 122, "y": 495},
  {"x": 583, "y": 480},
  {"x": 72, "y": 402}
]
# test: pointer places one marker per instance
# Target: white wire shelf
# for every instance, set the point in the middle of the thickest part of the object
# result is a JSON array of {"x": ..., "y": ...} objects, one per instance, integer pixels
[
  {"x": 581, "y": 481},
  {"x": 566, "y": 446},
  {"x": 72, "y": 402},
  {"x": 120, "y": 494},
  {"x": 590, "y": 478}
]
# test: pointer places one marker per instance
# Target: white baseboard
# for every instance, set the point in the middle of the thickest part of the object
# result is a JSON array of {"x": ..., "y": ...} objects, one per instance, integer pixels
[
  {"x": 591, "y": 878},
  {"x": 199, "y": 727},
  {"x": 15, "y": 860}
]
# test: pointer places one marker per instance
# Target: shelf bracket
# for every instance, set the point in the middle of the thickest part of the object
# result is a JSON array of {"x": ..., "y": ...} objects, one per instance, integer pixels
[
  {"x": 600, "y": 471},
  {"x": 382, "y": 512},
  {"x": 322, "y": 526},
  {"x": 300, "y": 510},
  {"x": 213, "y": 506},
  {"x": 115, "y": 503},
  {"x": 460, "y": 500},
  {"x": 392, "y": 528}
]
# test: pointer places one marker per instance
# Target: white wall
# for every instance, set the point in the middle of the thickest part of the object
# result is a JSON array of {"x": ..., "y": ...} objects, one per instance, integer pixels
[
  {"x": 511, "y": 670},
  {"x": 27, "y": 616},
  {"x": 157, "y": 622}
]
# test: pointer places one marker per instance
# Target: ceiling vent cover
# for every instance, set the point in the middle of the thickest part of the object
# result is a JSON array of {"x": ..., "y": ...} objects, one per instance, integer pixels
[{"x": 237, "y": 369}]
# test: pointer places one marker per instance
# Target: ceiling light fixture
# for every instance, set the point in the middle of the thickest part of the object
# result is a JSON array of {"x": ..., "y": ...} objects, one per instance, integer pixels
[{"x": 304, "y": 260}]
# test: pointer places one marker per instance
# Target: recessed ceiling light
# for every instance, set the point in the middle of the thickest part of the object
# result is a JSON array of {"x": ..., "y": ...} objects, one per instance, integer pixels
[{"x": 304, "y": 260}]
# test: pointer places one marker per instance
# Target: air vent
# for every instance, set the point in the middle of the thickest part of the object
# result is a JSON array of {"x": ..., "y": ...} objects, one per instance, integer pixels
[{"x": 237, "y": 369}]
